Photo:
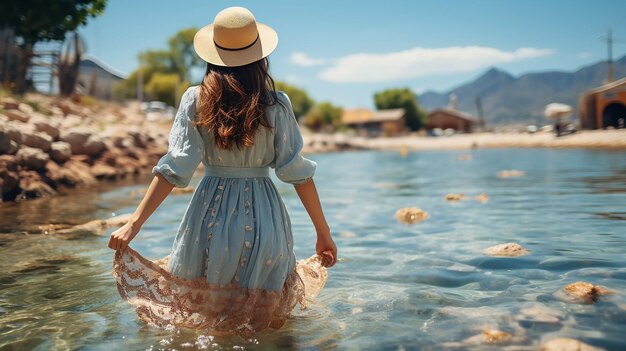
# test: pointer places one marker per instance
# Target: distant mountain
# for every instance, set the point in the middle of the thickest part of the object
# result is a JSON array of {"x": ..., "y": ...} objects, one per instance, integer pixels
[{"x": 506, "y": 99}]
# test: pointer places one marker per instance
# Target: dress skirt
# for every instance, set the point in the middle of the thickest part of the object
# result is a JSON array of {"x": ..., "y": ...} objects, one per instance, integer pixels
[{"x": 232, "y": 269}]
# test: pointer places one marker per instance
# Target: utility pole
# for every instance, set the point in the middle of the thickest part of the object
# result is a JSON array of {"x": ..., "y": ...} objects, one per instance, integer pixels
[{"x": 609, "y": 45}]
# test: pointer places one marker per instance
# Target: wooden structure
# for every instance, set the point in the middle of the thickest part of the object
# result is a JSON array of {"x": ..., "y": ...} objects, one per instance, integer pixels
[
  {"x": 445, "y": 118},
  {"x": 390, "y": 122},
  {"x": 604, "y": 107}
]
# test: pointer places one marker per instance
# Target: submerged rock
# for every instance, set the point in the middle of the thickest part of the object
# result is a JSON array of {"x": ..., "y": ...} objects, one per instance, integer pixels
[
  {"x": 510, "y": 173},
  {"x": 411, "y": 215},
  {"x": 494, "y": 336},
  {"x": 567, "y": 344},
  {"x": 484, "y": 198},
  {"x": 582, "y": 292},
  {"x": 507, "y": 250},
  {"x": 538, "y": 313},
  {"x": 454, "y": 197},
  {"x": 97, "y": 226}
]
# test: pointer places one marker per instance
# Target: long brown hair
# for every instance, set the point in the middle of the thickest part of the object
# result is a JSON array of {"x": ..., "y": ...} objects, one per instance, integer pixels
[{"x": 233, "y": 101}]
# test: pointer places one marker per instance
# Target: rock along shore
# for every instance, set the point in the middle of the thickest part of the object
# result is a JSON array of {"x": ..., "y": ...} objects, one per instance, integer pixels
[{"x": 51, "y": 143}]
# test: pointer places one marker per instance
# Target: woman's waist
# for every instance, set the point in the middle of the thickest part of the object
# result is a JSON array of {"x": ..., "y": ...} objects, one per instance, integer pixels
[{"x": 236, "y": 172}]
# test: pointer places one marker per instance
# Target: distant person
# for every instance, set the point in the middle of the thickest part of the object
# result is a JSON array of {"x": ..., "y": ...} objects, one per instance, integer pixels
[
  {"x": 557, "y": 128},
  {"x": 232, "y": 268}
]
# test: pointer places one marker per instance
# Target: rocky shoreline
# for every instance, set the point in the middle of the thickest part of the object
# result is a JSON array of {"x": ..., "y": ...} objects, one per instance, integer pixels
[{"x": 50, "y": 143}]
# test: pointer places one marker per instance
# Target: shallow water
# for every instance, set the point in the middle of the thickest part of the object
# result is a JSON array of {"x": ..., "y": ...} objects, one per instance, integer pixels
[{"x": 424, "y": 286}]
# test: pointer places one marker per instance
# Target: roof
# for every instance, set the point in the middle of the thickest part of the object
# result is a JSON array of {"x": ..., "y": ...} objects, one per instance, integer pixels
[
  {"x": 364, "y": 115},
  {"x": 454, "y": 113},
  {"x": 90, "y": 62},
  {"x": 620, "y": 83}
]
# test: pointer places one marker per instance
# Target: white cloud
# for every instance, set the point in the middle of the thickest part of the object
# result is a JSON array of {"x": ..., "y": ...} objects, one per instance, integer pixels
[
  {"x": 302, "y": 59},
  {"x": 584, "y": 55},
  {"x": 419, "y": 62}
]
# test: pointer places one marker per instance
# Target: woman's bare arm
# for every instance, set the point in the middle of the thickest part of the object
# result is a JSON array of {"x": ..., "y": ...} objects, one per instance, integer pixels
[
  {"x": 157, "y": 192},
  {"x": 325, "y": 246}
]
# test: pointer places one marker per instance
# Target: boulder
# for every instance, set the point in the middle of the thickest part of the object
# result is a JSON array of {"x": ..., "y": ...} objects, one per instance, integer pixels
[
  {"x": 37, "y": 140},
  {"x": 26, "y": 108},
  {"x": 10, "y": 103},
  {"x": 60, "y": 151},
  {"x": 83, "y": 141},
  {"x": 32, "y": 158},
  {"x": 65, "y": 107},
  {"x": 12, "y": 132},
  {"x": 17, "y": 115},
  {"x": 140, "y": 139},
  {"x": 7, "y": 146},
  {"x": 76, "y": 172},
  {"x": 102, "y": 170},
  {"x": 33, "y": 186},
  {"x": 45, "y": 126},
  {"x": 9, "y": 178}
]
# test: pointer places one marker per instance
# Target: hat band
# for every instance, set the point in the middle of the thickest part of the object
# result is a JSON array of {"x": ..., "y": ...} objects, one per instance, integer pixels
[{"x": 242, "y": 48}]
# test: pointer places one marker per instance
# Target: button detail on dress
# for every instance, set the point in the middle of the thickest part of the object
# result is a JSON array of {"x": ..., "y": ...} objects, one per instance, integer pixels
[
  {"x": 248, "y": 244},
  {"x": 248, "y": 228}
]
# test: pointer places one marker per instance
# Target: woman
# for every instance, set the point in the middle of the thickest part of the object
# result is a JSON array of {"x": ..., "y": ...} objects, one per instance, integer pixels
[{"x": 232, "y": 268}]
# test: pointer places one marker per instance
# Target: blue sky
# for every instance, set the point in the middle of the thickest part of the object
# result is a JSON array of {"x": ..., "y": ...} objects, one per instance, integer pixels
[{"x": 343, "y": 51}]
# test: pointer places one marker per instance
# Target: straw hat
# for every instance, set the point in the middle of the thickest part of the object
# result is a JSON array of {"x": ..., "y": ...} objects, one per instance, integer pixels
[{"x": 234, "y": 38}]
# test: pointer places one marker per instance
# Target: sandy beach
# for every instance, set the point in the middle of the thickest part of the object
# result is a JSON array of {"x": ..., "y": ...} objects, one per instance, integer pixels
[{"x": 609, "y": 139}]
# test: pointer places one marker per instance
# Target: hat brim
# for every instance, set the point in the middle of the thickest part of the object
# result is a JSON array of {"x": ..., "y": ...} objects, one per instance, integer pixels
[{"x": 205, "y": 47}]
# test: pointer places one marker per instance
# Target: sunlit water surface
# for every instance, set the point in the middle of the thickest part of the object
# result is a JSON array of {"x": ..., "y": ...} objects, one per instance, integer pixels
[{"x": 424, "y": 286}]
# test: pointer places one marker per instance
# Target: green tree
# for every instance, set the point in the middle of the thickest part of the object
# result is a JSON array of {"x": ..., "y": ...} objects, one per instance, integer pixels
[
  {"x": 300, "y": 99},
  {"x": 324, "y": 116},
  {"x": 166, "y": 87},
  {"x": 177, "y": 60},
  {"x": 32, "y": 21},
  {"x": 183, "y": 55},
  {"x": 402, "y": 98}
]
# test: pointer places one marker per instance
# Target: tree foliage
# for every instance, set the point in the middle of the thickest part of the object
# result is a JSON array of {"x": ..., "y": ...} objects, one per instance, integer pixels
[
  {"x": 406, "y": 99},
  {"x": 324, "y": 116},
  {"x": 166, "y": 87},
  {"x": 300, "y": 99},
  {"x": 27, "y": 22},
  {"x": 35, "y": 20},
  {"x": 158, "y": 68}
]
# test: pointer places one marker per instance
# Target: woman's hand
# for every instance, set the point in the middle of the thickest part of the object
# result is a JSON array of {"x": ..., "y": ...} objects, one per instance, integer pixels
[
  {"x": 327, "y": 249},
  {"x": 121, "y": 238}
]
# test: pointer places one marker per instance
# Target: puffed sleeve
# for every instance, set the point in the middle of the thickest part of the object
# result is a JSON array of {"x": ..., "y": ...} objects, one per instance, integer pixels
[
  {"x": 290, "y": 166},
  {"x": 185, "y": 145}
]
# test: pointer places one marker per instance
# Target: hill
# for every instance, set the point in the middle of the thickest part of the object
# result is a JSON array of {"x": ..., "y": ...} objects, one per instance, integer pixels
[{"x": 507, "y": 99}]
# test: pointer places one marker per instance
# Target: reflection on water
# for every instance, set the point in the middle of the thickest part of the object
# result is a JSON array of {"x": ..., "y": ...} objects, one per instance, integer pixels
[{"x": 427, "y": 285}]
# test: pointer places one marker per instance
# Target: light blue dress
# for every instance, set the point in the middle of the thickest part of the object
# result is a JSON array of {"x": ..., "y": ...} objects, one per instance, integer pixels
[{"x": 236, "y": 229}]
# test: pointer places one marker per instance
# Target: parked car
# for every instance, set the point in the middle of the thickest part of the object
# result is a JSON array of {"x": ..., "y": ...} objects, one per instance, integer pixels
[{"x": 158, "y": 110}]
